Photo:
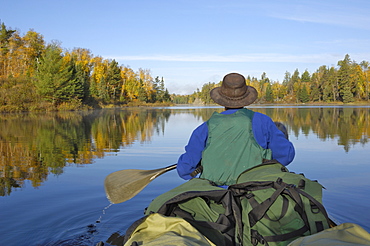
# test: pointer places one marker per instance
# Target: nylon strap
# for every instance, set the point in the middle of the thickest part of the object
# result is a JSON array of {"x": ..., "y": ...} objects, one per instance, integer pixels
[
  {"x": 286, "y": 236},
  {"x": 258, "y": 212}
]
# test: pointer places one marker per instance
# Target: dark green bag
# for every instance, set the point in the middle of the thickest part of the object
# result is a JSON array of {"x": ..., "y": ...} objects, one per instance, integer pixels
[{"x": 278, "y": 206}]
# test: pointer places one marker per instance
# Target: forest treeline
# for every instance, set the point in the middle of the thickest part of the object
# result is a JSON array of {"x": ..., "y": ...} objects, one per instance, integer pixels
[
  {"x": 346, "y": 83},
  {"x": 35, "y": 75}
]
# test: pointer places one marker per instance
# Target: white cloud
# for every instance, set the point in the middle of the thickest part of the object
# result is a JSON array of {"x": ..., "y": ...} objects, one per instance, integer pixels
[{"x": 232, "y": 58}]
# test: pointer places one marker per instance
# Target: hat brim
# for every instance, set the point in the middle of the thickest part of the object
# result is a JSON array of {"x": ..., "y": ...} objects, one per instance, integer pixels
[{"x": 249, "y": 97}]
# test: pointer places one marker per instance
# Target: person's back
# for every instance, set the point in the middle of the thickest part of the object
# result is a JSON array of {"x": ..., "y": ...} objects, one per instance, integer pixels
[
  {"x": 231, "y": 148},
  {"x": 234, "y": 140}
]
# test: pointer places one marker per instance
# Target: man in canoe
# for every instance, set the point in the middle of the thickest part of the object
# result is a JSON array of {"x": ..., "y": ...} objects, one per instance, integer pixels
[{"x": 234, "y": 140}]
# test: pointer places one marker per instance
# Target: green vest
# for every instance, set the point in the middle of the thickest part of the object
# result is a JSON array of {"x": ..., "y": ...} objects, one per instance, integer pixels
[{"x": 231, "y": 147}]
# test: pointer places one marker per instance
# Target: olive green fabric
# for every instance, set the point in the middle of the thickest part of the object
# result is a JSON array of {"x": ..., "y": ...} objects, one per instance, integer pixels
[
  {"x": 231, "y": 147},
  {"x": 345, "y": 234},
  {"x": 295, "y": 205},
  {"x": 160, "y": 230},
  {"x": 203, "y": 205},
  {"x": 194, "y": 185}
]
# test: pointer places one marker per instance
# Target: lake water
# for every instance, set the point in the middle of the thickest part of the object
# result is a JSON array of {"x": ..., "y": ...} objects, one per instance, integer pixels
[{"x": 53, "y": 166}]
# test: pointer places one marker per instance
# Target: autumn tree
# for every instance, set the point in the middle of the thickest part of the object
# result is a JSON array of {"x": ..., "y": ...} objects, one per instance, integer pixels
[
  {"x": 146, "y": 92},
  {"x": 130, "y": 85},
  {"x": 98, "y": 88},
  {"x": 34, "y": 45}
]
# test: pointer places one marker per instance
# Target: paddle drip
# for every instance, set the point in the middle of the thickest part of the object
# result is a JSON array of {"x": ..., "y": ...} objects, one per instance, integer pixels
[{"x": 103, "y": 213}]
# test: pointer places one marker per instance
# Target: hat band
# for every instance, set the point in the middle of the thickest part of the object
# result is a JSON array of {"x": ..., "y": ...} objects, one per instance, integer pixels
[{"x": 234, "y": 98}]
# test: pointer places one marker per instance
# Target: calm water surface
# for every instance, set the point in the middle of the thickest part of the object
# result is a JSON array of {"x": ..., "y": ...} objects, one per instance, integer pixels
[{"x": 53, "y": 166}]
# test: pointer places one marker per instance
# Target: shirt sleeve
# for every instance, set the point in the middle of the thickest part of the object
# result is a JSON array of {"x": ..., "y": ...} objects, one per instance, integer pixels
[
  {"x": 268, "y": 136},
  {"x": 188, "y": 161}
]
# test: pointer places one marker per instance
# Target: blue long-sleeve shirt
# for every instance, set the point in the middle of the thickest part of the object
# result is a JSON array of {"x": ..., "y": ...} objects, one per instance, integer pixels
[{"x": 267, "y": 135}]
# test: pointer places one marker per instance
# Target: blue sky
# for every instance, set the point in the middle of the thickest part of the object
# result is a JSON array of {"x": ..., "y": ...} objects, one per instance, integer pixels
[{"x": 192, "y": 42}]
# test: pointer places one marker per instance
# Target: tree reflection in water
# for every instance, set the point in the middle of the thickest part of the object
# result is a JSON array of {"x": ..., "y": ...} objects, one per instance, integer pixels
[{"x": 32, "y": 146}]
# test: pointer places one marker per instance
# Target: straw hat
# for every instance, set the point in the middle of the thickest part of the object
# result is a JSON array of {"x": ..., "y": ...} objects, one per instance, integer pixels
[{"x": 233, "y": 92}]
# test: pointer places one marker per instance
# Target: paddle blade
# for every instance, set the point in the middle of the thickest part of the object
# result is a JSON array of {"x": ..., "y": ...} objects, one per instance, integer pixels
[{"x": 122, "y": 185}]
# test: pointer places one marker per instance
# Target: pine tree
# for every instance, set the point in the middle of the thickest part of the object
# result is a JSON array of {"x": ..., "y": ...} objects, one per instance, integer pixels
[
  {"x": 306, "y": 77},
  {"x": 113, "y": 81},
  {"x": 269, "y": 96},
  {"x": 303, "y": 95},
  {"x": 344, "y": 80},
  {"x": 54, "y": 79},
  {"x": 166, "y": 96}
]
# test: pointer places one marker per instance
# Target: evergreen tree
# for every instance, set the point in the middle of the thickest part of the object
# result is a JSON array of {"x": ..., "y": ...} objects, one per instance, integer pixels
[
  {"x": 263, "y": 83},
  {"x": 54, "y": 79},
  {"x": 347, "y": 94},
  {"x": 156, "y": 97},
  {"x": 113, "y": 81},
  {"x": 296, "y": 84},
  {"x": 159, "y": 90},
  {"x": 344, "y": 79},
  {"x": 306, "y": 77},
  {"x": 269, "y": 96},
  {"x": 166, "y": 96},
  {"x": 163, "y": 91},
  {"x": 288, "y": 81},
  {"x": 5, "y": 35},
  {"x": 315, "y": 89},
  {"x": 332, "y": 79},
  {"x": 326, "y": 83},
  {"x": 303, "y": 95},
  {"x": 315, "y": 94},
  {"x": 142, "y": 96},
  {"x": 81, "y": 78}
]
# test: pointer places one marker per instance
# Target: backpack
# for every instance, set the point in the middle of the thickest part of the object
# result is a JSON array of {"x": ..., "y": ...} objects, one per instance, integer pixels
[
  {"x": 268, "y": 206},
  {"x": 279, "y": 206}
]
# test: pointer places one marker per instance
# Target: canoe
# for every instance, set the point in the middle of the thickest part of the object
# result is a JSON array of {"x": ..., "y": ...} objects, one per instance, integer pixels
[
  {"x": 157, "y": 228},
  {"x": 147, "y": 233},
  {"x": 200, "y": 213}
]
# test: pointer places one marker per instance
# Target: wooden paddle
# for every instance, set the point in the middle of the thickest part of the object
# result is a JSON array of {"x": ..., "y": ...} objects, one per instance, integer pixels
[{"x": 123, "y": 185}]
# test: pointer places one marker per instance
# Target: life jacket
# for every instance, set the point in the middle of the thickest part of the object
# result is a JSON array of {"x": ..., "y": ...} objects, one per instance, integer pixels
[
  {"x": 268, "y": 206},
  {"x": 231, "y": 147}
]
